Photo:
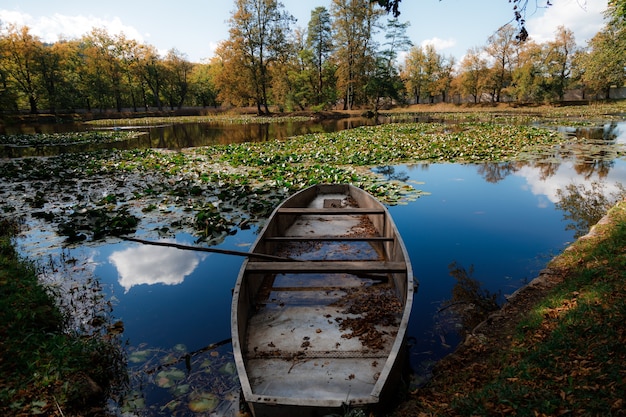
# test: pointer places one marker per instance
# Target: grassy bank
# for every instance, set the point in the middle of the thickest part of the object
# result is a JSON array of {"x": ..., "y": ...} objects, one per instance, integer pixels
[
  {"x": 557, "y": 348},
  {"x": 44, "y": 369}
]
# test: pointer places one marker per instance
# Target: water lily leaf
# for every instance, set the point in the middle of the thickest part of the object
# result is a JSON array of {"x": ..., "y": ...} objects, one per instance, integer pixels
[
  {"x": 139, "y": 356},
  {"x": 171, "y": 406},
  {"x": 228, "y": 369},
  {"x": 180, "y": 348},
  {"x": 136, "y": 402},
  {"x": 181, "y": 389},
  {"x": 207, "y": 402},
  {"x": 164, "y": 382},
  {"x": 175, "y": 374},
  {"x": 168, "y": 378}
]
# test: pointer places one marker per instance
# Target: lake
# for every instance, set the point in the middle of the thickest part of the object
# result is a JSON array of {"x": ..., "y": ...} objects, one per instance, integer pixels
[{"x": 499, "y": 221}]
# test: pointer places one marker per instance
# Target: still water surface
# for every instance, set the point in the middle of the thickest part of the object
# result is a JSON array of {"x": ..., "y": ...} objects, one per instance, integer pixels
[{"x": 500, "y": 219}]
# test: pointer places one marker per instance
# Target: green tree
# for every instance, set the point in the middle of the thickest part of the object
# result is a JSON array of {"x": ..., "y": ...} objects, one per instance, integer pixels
[
  {"x": 528, "y": 77},
  {"x": 603, "y": 66},
  {"x": 203, "y": 88},
  {"x": 319, "y": 43},
  {"x": 396, "y": 40}
]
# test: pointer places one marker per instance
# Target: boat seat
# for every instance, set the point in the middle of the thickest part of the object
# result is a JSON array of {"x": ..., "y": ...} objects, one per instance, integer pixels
[
  {"x": 329, "y": 238},
  {"x": 330, "y": 211},
  {"x": 307, "y": 267}
]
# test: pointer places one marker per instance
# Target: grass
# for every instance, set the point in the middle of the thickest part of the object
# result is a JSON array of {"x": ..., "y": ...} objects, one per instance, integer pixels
[
  {"x": 562, "y": 354},
  {"x": 44, "y": 368}
]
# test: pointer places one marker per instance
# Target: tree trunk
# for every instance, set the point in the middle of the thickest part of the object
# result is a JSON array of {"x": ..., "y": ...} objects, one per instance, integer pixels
[{"x": 33, "y": 104}]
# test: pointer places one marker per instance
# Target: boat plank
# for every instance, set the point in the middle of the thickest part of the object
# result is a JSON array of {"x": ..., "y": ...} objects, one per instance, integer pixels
[
  {"x": 328, "y": 211},
  {"x": 329, "y": 238},
  {"x": 326, "y": 266}
]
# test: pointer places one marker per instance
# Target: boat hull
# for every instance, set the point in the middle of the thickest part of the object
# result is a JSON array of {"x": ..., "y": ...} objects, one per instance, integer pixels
[{"x": 323, "y": 330}]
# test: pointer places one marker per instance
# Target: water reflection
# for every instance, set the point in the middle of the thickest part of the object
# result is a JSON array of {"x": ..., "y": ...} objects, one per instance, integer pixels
[
  {"x": 151, "y": 265},
  {"x": 180, "y": 135}
]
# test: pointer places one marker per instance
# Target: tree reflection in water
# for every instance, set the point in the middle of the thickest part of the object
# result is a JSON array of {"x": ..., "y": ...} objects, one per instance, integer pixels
[
  {"x": 470, "y": 303},
  {"x": 586, "y": 206}
]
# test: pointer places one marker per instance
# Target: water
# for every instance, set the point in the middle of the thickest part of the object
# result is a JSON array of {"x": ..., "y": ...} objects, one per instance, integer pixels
[{"x": 500, "y": 219}]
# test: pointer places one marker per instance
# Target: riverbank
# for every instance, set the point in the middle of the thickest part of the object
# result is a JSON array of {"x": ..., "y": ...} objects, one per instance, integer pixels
[
  {"x": 45, "y": 367},
  {"x": 557, "y": 347}
]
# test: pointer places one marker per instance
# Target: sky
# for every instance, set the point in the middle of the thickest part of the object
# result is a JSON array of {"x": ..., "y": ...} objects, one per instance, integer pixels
[{"x": 196, "y": 27}]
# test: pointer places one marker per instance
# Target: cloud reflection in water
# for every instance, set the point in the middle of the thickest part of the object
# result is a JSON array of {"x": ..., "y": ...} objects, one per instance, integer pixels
[{"x": 150, "y": 265}]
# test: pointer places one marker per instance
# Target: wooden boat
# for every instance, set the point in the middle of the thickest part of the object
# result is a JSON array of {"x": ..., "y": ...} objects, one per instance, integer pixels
[{"x": 322, "y": 327}]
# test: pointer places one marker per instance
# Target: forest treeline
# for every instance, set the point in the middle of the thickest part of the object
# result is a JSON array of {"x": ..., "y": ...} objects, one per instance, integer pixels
[{"x": 351, "y": 55}]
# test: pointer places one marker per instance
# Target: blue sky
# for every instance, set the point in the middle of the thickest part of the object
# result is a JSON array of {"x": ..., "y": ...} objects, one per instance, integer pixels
[{"x": 195, "y": 27}]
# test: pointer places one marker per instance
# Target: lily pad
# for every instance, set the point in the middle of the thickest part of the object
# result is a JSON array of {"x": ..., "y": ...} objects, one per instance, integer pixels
[
  {"x": 139, "y": 356},
  {"x": 228, "y": 369},
  {"x": 167, "y": 379},
  {"x": 180, "y": 348},
  {"x": 206, "y": 402}
]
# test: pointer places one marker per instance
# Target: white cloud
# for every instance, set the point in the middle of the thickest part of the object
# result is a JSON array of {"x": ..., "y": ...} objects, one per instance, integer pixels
[
  {"x": 153, "y": 265},
  {"x": 439, "y": 44},
  {"x": 58, "y": 26},
  {"x": 547, "y": 188},
  {"x": 583, "y": 17}
]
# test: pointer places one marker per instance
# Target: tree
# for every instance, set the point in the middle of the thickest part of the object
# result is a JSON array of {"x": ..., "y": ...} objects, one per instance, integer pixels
[
  {"x": 152, "y": 74},
  {"x": 500, "y": 47},
  {"x": 473, "y": 74},
  {"x": 103, "y": 66},
  {"x": 22, "y": 52},
  {"x": 354, "y": 25},
  {"x": 396, "y": 40},
  {"x": 259, "y": 31},
  {"x": 319, "y": 42},
  {"x": 603, "y": 66},
  {"x": 203, "y": 86},
  {"x": 559, "y": 60},
  {"x": 528, "y": 77},
  {"x": 414, "y": 73},
  {"x": 177, "y": 69},
  {"x": 385, "y": 82}
]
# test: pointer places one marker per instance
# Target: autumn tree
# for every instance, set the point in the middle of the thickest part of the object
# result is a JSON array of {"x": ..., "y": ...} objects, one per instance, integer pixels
[
  {"x": 176, "y": 69},
  {"x": 500, "y": 48},
  {"x": 258, "y": 35},
  {"x": 559, "y": 60},
  {"x": 414, "y": 72},
  {"x": 474, "y": 72},
  {"x": 152, "y": 73},
  {"x": 354, "y": 26},
  {"x": 21, "y": 54}
]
